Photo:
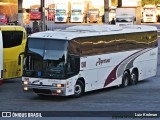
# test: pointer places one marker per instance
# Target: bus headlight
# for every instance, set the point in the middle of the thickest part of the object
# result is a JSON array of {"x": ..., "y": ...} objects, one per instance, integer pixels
[
  {"x": 25, "y": 82},
  {"x": 59, "y": 91},
  {"x": 25, "y": 88},
  {"x": 60, "y": 85}
]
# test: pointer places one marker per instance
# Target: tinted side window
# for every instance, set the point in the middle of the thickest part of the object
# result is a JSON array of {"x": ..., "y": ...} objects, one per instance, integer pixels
[
  {"x": 152, "y": 39},
  {"x": 86, "y": 46},
  {"x": 109, "y": 43},
  {"x": 141, "y": 40},
  {"x": 121, "y": 42},
  {"x": 12, "y": 38},
  {"x": 131, "y": 42},
  {"x": 98, "y": 45},
  {"x": 74, "y": 47}
]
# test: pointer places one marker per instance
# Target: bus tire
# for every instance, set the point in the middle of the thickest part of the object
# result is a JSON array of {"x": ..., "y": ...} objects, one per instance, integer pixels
[
  {"x": 134, "y": 77},
  {"x": 125, "y": 79},
  {"x": 79, "y": 89}
]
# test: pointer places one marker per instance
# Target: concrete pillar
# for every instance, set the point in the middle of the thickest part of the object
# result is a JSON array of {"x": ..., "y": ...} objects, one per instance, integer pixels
[
  {"x": 106, "y": 11},
  {"x": 42, "y": 25},
  {"x": 20, "y": 12}
]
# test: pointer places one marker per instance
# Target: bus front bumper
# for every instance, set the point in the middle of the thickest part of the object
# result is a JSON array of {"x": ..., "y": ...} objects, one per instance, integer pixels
[{"x": 46, "y": 90}]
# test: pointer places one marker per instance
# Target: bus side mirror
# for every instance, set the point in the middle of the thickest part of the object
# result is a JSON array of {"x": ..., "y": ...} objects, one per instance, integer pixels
[{"x": 19, "y": 60}]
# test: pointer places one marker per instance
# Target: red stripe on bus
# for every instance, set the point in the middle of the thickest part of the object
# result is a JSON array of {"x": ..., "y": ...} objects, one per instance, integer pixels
[
  {"x": 1, "y": 82},
  {"x": 112, "y": 76}
]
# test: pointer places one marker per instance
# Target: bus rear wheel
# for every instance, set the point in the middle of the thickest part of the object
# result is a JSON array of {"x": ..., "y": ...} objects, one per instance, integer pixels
[
  {"x": 125, "y": 79},
  {"x": 134, "y": 77},
  {"x": 79, "y": 89}
]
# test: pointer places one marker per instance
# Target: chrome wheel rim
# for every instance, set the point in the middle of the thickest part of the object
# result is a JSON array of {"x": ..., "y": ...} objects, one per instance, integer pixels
[
  {"x": 78, "y": 89},
  {"x": 133, "y": 77}
]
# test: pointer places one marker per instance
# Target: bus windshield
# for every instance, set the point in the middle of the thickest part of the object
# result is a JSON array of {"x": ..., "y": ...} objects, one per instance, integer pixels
[
  {"x": 125, "y": 19},
  {"x": 51, "y": 10},
  {"x": 45, "y": 59},
  {"x": 35, "y": 10},
  {"x": 61, "y": 11},
  {"x": 93, "y": 11},
  {"x": 149, "y": 9},
  {"x": 76, "y": 12},
  {"x": 2, "y": 16}
]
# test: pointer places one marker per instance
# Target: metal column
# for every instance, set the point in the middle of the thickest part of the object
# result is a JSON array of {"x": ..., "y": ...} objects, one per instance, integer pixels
[
  {"x": 20, "y": 12},
  {"x": 43, "y": 24}
]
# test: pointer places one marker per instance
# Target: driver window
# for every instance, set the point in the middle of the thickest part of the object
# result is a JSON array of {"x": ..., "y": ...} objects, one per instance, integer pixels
[{"x": 71, "y": 64}]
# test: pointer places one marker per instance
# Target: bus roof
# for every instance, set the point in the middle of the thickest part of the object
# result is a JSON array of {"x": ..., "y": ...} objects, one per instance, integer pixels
[
  {"x": 91, "y": 30},
  {"x": 149, "y": 6},
  {"x": 11, "y": 27}
]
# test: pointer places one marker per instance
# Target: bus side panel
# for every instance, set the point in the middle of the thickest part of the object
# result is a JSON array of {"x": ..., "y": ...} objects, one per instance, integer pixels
[
  {"x": 106, "y": 70},
  {"x": 98, "y": 68},
  {"x": 147, "y": 64},
  {"x": 1, "y": 57},
  {"x": 11, "y": 53},
  {"x": 90, "y": 77}
]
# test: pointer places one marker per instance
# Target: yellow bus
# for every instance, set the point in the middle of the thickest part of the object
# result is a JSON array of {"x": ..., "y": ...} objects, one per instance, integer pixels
[{"x": 12, "y": 43}]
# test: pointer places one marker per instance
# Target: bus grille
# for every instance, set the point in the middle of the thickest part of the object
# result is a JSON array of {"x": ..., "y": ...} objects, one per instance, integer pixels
[{"x": 42, "y": 91}]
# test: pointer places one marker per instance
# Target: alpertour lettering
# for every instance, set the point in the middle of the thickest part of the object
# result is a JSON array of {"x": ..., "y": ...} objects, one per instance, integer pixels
[{"x": 101, "y": 61}]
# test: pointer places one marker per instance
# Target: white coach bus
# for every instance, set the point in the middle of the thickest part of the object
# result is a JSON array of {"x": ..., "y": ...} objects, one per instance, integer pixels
[{"x": 86, "y": 58}]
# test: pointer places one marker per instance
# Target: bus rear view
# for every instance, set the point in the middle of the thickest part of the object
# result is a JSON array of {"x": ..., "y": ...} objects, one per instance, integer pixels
[
  {"x": 51, "y": 14},
  {"x": 35, "y": 14},
  {"x": 149, "y": 13},
  {"x": 3, "y": 18},
  {"x": 12, "y": 43}
]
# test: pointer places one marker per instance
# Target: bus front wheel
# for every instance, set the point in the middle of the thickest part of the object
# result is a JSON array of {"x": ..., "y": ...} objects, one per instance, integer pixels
[{"x": 79, "y": 89}]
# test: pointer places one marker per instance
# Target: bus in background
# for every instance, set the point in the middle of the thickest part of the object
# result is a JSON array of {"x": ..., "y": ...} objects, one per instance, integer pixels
[
  {"x": 51, "y": 14},
  {"x": 158, "y": 9},
  {"x": 61, "y": 10},
  {"x": 158, "y": 12},
  {"x": 12, "y": 43},
  {"x": 4, "y": 18},
  {"x": 89, "y": 57},
  {"x": 149, "y": 13},
  {"x": 124, "y": 19},
  {"x": 93, "y": 15},
  {"x": 35, "y": 13},
  {"x": 112, "y": 13},
  {"x": 77, "y": 11}
]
